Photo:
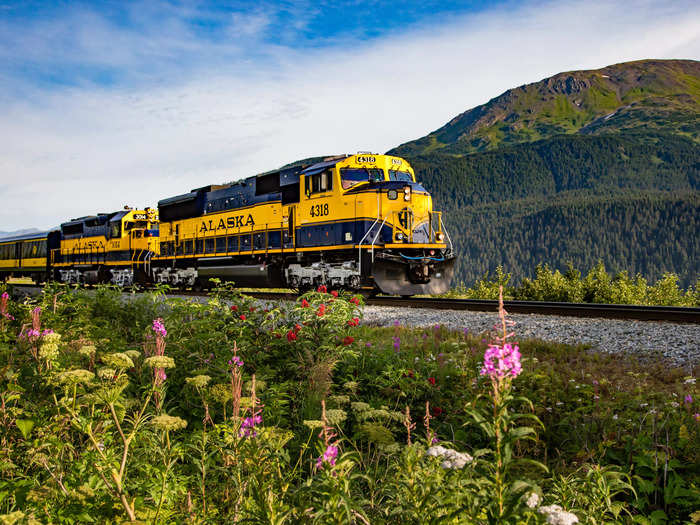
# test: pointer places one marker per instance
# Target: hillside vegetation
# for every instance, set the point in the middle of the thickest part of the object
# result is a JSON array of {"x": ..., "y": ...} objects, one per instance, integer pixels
[{"x": 580, "y": 167}]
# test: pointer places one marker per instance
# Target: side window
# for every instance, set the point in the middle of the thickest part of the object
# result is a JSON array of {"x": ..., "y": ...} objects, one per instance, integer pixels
[
  {"x": 319, "y": 182},
  {"x": 115, "y": 229}
]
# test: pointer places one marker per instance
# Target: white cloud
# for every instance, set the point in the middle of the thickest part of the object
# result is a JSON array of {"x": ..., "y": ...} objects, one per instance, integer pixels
[{"x": 71, "y": 152}]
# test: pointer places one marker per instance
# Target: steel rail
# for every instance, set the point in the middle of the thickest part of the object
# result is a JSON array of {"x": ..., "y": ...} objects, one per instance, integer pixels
[{"x": 675, "y": 314}]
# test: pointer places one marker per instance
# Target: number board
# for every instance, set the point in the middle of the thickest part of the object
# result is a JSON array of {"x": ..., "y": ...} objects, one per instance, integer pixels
[{"x": 318, "y": 210}]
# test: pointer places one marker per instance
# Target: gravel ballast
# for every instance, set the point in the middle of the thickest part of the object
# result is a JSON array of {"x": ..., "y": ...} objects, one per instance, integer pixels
[{"x": 678, "y": 343}]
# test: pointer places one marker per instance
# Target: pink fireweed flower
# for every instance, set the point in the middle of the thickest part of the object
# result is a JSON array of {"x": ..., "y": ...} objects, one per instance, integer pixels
[
  {"x": 248, "y": 426},
  {"x": 329, "y": 456},
  {"x": 696, "y": 416},
  {"x": 235, "y": 360},
  {"x": 48, "y": 331},
  {"x": 30, "y": 333},
  {"x": 36, "y": 318},
  {"x": 500, "y": 361},
  {"x": 159, "y": 328},
  {"x": 3, "y": 306},
  {"x": 688, "y": 399}
]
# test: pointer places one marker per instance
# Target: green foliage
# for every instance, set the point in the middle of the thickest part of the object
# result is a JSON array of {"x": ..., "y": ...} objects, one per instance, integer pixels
[
  {"x": 598, "y": 286},
  {"x": 99, "y": 434}
]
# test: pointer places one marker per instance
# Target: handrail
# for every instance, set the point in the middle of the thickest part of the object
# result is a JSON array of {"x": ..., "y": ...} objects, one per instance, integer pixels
[
  {"x": 446, "y": 233},
  {"x": 359, "y": 246},
  {"x": 376, "y": 236}
]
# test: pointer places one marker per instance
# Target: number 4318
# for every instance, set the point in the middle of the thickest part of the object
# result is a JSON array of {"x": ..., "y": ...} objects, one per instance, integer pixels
[{"x": 319, "y": 210}]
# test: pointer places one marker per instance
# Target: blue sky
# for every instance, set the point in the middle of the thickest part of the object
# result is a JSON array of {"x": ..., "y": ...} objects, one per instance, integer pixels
[
  {"x": 60, "y": 44},
  {"x": 104, "y": 104}
]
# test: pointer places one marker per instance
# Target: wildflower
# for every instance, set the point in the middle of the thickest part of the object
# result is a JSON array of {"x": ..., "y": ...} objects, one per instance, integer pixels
[
  {"x": 198, "y": 381},
  {"x": 354, "y": 321},
  {"x": 355, "y": 301},
  {"x": 118, "y": 360},
  {"x": 242, "y": 317},
  {"x": 160, "y": 361},
  {"x": 236, "y": 361},
  {"x": 335, "y": 416},
  {"x": 133, "y": 354},
  {"x": 348, "y": 340},
  {"x": 397, "y": 343},
  {"x": 106, "y": 373},
  {"x": 234, "y": 308},
  {"x": 688, "y": 399},
  {"x": 251, "y": 309},
  {"x": 500, "y": 361},
  {"x": 437, "y": 411},
  {"x": 432, "y": 381},
  {"x": 297, "y": 328},
  {"x": 248, "y": 426},
  {"x": 313, "y": 423},
  {"x": 368, "y": 344},
  {"x": 304, "y": 303},
  {"x": 166, "y": 422},
  {"x": 329, "y": 456},
  {"x": 322, "y": 289},
  {"x": 3, "y": 306},
  {"x": 696, "y": 416},
  {"x": 291, "y": 336},
  {"x": 615, "y": 418},
  {"x": 87, "y": 351},
  {"x": 48, "y": 351},
  {"x": 75, "y": 377},
  {"x": 159, "y": 328},
  {"x": 334, "y": 293},
  {"x": 555, "y": 515},
  {"x": 321, "y": 310},
  {"x": 221, "y": 392},
  {"x": 533, "y": 500},
  {"x": 359, "y": 406},
  {"x": 340, "y": 399},
  {"x": 451, "y": 458},
  {"x": 689, "y": 381},
  {"x": 397, "y": 323},
  {"x": 466, "y": 332}
]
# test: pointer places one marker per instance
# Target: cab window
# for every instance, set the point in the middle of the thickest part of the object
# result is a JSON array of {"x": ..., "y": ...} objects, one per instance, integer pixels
[
  {"x": 352, "y": 176},
  {"x": 115, "y": 230},
  {"x": 319, "y": 182},
  {"x": 400, "y": 175}
]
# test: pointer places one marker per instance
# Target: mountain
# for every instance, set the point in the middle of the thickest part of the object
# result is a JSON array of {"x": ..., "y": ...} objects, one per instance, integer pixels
[
  {"x": 642, "y": 96},
  {"x": 26, "y": 231},
  {"x": 579, "y": 167}
]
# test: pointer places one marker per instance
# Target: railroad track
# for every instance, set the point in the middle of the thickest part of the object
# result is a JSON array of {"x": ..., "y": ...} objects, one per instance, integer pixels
[{"x": 674, "y": 314}]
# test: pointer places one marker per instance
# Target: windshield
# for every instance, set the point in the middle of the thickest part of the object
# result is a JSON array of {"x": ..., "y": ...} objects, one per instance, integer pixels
[
  {"x": 352, "y": 176},
  {"x": 400, "y": 175}
]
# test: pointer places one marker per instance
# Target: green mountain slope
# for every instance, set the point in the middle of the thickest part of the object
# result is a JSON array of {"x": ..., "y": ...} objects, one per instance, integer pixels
[
  {"x": 643, "y": 96},
  {"x": 581, "y": 166}
]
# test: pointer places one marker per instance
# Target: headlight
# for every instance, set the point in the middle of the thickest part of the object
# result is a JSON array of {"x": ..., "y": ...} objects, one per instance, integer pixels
[
  {"x": 439, "y": 236},
  {"x": 399, "y": 236},
  {"x": 407, "y": 193}
]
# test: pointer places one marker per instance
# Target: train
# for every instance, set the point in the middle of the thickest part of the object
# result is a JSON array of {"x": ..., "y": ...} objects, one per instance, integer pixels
[{"x": 360, "y": 222}]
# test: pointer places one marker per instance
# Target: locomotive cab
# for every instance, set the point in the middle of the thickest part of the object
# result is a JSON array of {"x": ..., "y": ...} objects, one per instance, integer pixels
[{"x": 373, "y": 204}]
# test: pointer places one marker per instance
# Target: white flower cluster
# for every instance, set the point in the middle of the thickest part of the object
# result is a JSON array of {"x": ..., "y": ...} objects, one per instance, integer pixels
[
  {"x": 451, "y": 458},
  {"x": 555, "y": 515},
  {"x": 533, "y": 500}
]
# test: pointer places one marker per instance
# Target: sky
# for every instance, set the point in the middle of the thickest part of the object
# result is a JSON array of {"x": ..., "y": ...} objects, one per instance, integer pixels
[{"x": 112, "y": 103}]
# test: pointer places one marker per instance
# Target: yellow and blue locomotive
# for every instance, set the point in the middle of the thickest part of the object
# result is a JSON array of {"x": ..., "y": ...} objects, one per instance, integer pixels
[
  {"x": 351, "y": 221},
  {"x": 107, "y": 247}
]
